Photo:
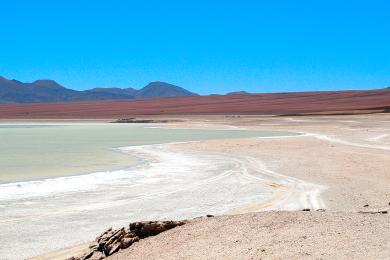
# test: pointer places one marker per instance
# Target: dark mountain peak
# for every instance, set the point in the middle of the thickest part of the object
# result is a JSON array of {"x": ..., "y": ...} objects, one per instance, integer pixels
[
  {"x": 155, "y": 84},
  {"x": 47, "y": 83},
  {"x": 162, "y": 89},
  {"x": 16, "y": 81}
]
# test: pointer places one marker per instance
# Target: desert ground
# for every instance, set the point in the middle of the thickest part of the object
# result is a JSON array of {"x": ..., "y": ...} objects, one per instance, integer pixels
[
  {"x": 348, "y": 155},
  {"x": 364, "y": 101}
]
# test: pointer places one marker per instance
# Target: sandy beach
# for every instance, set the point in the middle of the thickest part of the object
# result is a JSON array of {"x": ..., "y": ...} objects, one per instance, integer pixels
[{"x": 339, "y": 163}]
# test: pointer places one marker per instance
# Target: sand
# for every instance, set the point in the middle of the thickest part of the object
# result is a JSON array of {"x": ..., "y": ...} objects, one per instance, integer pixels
[
  {"x": 271, "y": 235},
  {"x": 347, "y": 155}
]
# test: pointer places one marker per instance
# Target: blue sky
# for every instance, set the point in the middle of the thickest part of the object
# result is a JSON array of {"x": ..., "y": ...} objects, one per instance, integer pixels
[{"x": 205, "y": 46}]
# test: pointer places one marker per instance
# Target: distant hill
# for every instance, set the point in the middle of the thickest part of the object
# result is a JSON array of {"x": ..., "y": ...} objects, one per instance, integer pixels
[
  {"x": 13, "y": 91},
  {"x": 41, "y": 91},
  {"x": 161, "y": 89}
]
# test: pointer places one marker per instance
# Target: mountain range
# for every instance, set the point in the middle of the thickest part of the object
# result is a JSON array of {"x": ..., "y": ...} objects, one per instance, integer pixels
[{"x": 40, "y": 91}]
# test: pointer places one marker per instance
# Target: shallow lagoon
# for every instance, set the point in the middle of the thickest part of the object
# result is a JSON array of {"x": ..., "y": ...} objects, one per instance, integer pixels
[{"x": 30, "y": 151}]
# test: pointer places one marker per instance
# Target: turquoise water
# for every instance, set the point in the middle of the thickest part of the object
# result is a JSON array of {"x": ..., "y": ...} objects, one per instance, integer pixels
[
  {"x": 111, "y": 177},
  {"x": 30, "y": 151}
]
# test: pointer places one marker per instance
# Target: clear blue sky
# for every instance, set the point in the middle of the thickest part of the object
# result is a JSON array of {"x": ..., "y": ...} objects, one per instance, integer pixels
[{"x": 205, "y": 46}]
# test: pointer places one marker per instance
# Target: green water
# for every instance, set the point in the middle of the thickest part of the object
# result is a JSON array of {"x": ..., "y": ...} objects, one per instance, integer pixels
[{"x": 47, "y": 150}]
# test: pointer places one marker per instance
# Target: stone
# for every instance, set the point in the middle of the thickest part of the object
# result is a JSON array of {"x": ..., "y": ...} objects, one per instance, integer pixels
[
  {"x": 105, "y": 233},
  {"x": 152, "y": 228},
  {"x": 94, "y": 246},
  {"x": 111, "y": 241},
  {"x": 114, "y": 237},
  {"x": 97, "y": 256},
  {"x": 87, "y": 255},
  {"x": 127, "y": 241},
  {"x": 115, "y": 248}
]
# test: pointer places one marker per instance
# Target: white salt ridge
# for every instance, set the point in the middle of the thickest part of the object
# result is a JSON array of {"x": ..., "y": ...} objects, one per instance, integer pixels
[{"x": 47, "y": 187}]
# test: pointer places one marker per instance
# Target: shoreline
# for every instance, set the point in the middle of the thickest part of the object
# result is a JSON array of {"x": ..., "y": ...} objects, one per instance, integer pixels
[
  {"x": 283, "y": 187},
  {"x": 146, "y": 161}
]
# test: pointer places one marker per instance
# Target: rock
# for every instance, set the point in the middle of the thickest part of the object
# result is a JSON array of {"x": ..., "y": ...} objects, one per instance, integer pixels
[
  {"x": 210, "y": 216},
  {"x": 152, "y": 228},
  {"x": 111, "y": 241},
  {"x": 105, "y": 233},
  {"x": 305, "y": 209},
  {"x": 116, "y": 235},
  {"x": 97, "y": 256},
  {"x": 106, "y": 250},
  {"x": 128, "y": 241},
  {"x": 365, "y": 206},
  {"x": 115, "y": 248},
  {"x": 94, "y": 246}
]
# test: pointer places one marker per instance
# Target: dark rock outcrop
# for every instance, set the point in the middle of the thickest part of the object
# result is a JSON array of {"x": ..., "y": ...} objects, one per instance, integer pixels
[{"x": 111, "y": 241}]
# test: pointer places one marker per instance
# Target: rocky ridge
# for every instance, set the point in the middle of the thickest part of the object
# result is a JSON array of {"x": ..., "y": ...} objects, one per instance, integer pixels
[{"x": 113, "y": 240}]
